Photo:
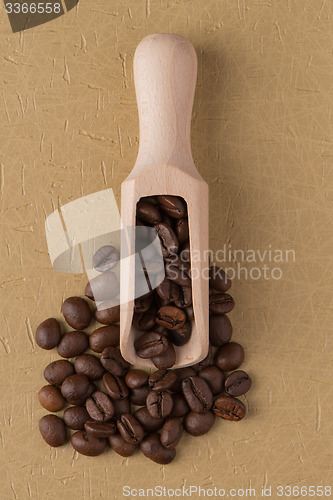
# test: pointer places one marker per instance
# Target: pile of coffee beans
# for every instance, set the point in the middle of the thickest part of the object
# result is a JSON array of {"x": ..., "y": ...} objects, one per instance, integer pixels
[{"x": 108, "y": 403}]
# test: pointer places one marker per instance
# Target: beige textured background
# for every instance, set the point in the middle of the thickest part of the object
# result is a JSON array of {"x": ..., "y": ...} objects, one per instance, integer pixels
[{"x": 262, "y": 137}]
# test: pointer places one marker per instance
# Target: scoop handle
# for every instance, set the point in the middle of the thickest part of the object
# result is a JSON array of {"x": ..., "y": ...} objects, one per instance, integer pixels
[{"x": 165, "y": 72}]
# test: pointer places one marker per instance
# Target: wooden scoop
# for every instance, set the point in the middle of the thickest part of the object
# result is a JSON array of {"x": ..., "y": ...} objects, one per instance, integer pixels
[{"x": 165, "y": 70}]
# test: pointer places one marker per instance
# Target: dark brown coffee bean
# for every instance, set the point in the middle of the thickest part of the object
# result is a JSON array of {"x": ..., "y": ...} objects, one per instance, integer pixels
[
  {"x": 182, "y": 374},
  {"x": 138, "y": 396},
  {"x": 136, "y": 378},
  {"x": 115, "y": 386},
  {"x": 88, "y": 445},
  {"x": 168, "y": 220},
  {"x": 106, "y": 258},
  {"x": 197, "y": 393},
  {"x": 148, "y": 212},
  {"x": 220, "y": 329},
  {"x": 121, "y": 406},
  {"x": 150, "y": 199},
  {"x": 182, "y": 335},
  {"x": 168, "y": 291},
  {"x": 167, "y": 359},
  {"x": 152, "y": 448},
  {"x": 173, "y": 206},
  {"x": 229, "y": 408},
  {"x": 77, "y": 388},
  {"x": 198, "y": 424},
  {"x": 190, "y": 313},
  {"x": 106, "y": 336},
  {"x": 149, "y": 423},
  {"x": 180, "y": 407},
  {"x": 221, "y": 303},
  {"x": 170, "y": 317},
  {"x": 185, "y": 254},
  {"x": 214, "y": 377},
  {"x": 108, "y": 312},
  {"x": 143, "y": 304},
  {"x": 113, "y": 361},
  {"x": 171, "y": 433},
  {"x": 120, "y": 446},
  {"x": 182, "y": 231},
  {"x": 237, "y": 383},
  {"x": 162, "y": 380},
  {"x": 168, "y": 239},
  {"x": 89, "y": 365},
  {"x": 159, "y": 404},
  {"x": 144, "y": 321},
  {"x": 51, "y": 398},
  {"x": 73, "y": 344},
  {"x": 75, "y": 417},
  {"x": 77, "y": 312},
  {"x": 48, "y": 334},
  {"x": 100, "y": 407},
  {"x": 185, "y": 298},
  {"x": 206, "y": 361},
  {"x": 150, "y": 344},
  {"x": 218, "y": 279},
  {"x": 130, "y": 429},
  {"x": 57, "y": 371},
  {"x": 103, "y": 287},
  {"x": 100, "y": 429},
  {"x": 178, "y": 271},
  {"x": 230, "y": 356},
  {"x": 53, "y": 430}
]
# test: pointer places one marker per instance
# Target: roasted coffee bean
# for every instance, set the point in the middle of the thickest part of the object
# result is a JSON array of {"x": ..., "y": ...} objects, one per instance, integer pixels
[
  {"x": 152, "y": 448},
  {"x": 148, "y": 212},
  {"x": 100, "y": 429},
  {"x": 162, "y": 380},
  {"x": 51, "y": 398},
  {"x": 136, "y": 378},
  {"x": 113, "y": 361},
  {"x": 182, "y": 374},
  {"x": 149, "y": 423},
  {"x": 88, "y": 445},
  {"x": 150, "y": 344},
  {"x": 90, "y": 365},
  {"x": 77, "y": 388},
  {"x": 230, "y": 356},
  {"x": 77, "y": 312},
  {"x": 102, "y": 287},
  {"x": 159, "y": 404},
  {"x": 53, "y": 430},
  {"x": 171, "y": 433},
  {"x": 121, "y": 406},
  {"x": 150, "y": 199},
  {"x": 221, "y": 303},
  {"x": 198, "y": 424},
  {"x": 168, "y": 220},
  {"x": 220, "y": 329},
  {"x": 182, "y": 335},
  {"x": 229, "y": 408},
  {"x": 174, "y": 206},
  {"x": 178, "y": 271},
  {"x": 170, "y": 317},
  {"x": 108, "y": 312},
  {"x": 185, "y": 297},
  {"x": 138, "y": 396},
  {"x": 143, "y": 304},
  {"x": 168, "y": 239},
  {"x": 106, "y": 336},
  {"x": 180, "y": 407},
  {"x": 73, "y": 344},
  {"x": 218, "y": 279},
  {"x": 130, "y": 429},
  {"x": 197, "y": 394},
  {"x": 120, "y": 446},
  {"x": 48, "y": 334},
  {"x": 190, "y": 313},
  {"x": 168, "y": 291},
  {"x": 75, "y": 417},
  {"x": 182, "y": 231},
  {"x": 115, "y": 386},
  {"x": 167, "y": 359},
  {"x": 185, "y": 253},
  {"x": 237, "y": 383},
  {"x": 106, "y": 258},
  {"x": 144, "y": 321},
  {"x": 206, "y": 361},
  {"x": 100, "y": 407},
  {"x": 214, "y": 377},
  {"x": 57, "y": 371}
]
